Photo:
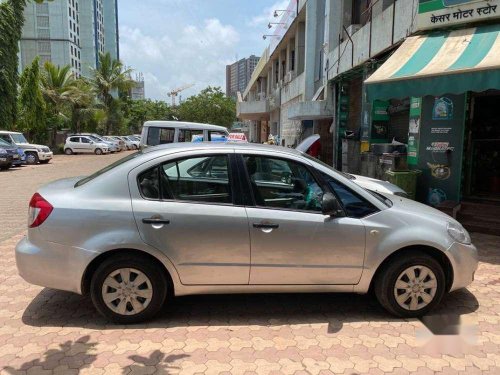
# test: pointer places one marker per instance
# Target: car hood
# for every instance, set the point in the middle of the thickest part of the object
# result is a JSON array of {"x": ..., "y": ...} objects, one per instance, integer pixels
[
  {"x": 29, "y": 145},
  {"x": 379, "y": 186},
  {"x": 414, "y": 208}
]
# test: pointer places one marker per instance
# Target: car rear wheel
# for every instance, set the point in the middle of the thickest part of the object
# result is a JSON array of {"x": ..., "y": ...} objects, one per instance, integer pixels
[
  {"x": 411, "y": 285},
  {"x": 68, "y": 151},
  {"x": 128, "y": 289},
  {"x": 98, "y": 151},
  {"x": 31, "y": 158}
]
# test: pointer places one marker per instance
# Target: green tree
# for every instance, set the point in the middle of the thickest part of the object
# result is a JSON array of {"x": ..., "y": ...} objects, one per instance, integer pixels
[
  {"x": 32, "y": 107},
  {"x": 210, "y": 106},
  {"x": 84, "y": 105},
  {"x": 11, "y": 24},
  {"x": 137, "y": 112},
  {"x": 109, "y": 78},
  {"x": 58, "y": 88}
]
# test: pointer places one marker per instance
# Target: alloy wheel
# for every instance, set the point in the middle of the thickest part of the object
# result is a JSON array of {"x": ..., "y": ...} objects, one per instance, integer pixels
[
  {"x": 127, "y": 291},
  {"x": 415, "y": 287}
]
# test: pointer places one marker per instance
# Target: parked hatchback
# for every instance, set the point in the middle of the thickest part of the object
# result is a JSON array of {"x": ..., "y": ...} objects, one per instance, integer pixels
[
  {"x": 236, "y": 218},
  {"x": 81, "y": 144}
]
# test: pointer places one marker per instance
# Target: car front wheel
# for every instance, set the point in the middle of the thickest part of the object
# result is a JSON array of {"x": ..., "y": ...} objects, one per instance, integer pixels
[
  {"x": 68, "y": 151},
  {"x": 128, "y": 289},
  {"x": 31, "y": 158},
  {"x": 98, "y": 151},
  {"x": 410, "y": 285}
]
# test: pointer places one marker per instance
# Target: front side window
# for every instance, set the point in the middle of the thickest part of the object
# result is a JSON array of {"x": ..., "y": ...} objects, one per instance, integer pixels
[
  {"x": 19, "y": 138},
  {"x": 354, "y": 205},
  {"x": 190, "y": 135},
  {"x": 199, "y": 179},
  {"x": 160, "y": 136},
  {"x": 283, "y": 183},
  {"x": 85, "y": 140}
]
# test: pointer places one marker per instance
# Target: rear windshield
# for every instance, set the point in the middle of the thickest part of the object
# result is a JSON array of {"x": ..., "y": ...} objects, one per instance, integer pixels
[{"x": 108, "y": 168}]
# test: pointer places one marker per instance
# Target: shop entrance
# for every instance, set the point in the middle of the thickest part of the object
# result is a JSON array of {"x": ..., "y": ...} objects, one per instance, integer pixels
[{"x": 483, "y": 147}]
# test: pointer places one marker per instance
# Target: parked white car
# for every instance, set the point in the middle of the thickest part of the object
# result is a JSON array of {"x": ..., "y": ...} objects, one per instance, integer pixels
[
  {"x": 372, "y": 184},
  {"x": 80, "y": 144},
  {"x": 34, "y": 153},
  {"x": 135, "y": 143}
]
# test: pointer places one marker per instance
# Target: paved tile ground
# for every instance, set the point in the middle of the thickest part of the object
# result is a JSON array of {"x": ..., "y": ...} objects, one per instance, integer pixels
[{"x": 43, "y": 331}]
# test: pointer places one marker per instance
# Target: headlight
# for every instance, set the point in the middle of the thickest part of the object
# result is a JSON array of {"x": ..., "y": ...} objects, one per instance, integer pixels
[
  {"x": 39, "y": 149},
  {"x": 458, "y": 233}
]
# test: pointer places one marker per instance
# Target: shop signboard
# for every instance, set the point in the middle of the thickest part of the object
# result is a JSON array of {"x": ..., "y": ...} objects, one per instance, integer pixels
[
  {"x": 414, "y": 130},
  {"x": 440, "y": 145},
  {"x": 434, "y": 14}
]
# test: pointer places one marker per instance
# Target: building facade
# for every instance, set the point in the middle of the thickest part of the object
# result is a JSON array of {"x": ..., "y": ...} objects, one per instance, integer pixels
[
  {"x": 137, "y": 92},
  {"x": 238, "y": 75},
  {"x": 70, "y": 32},
  {"x": 365, "y": 74}
]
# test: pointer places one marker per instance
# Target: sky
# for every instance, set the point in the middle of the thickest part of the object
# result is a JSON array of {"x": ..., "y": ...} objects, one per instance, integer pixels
[{"x": 178, "y": 42}]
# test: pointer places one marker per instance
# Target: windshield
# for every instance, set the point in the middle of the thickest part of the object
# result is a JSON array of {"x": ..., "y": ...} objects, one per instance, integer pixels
[
  {"x": 108, "y": 168},
  {"x": 95, "y": 138},
  {"x": 19, "y": 138},
  {"x": 5, "y": 143}
]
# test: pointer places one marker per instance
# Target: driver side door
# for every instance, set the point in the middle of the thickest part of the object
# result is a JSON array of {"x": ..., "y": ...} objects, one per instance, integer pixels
[{"x": 292, "y": 241}]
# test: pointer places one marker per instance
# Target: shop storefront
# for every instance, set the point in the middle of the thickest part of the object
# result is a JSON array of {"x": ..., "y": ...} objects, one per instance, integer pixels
[{"x": 444, "y": 84}]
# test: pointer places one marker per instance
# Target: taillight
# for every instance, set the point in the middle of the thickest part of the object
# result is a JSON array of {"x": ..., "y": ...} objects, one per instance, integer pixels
[{"x": 39, "y": 211}]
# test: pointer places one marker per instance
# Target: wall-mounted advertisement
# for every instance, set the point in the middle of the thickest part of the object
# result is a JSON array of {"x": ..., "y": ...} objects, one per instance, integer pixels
[
  {"x": 414, "y": 130},
  {"x": 433, "y": 14}
]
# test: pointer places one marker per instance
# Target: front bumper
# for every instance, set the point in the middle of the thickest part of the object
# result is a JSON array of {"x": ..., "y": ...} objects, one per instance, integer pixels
[
  {"x": 464, "y": 260},
  {"x": 52, "y": 265},
  {"x": 45, "y": 155},
  {"x": 5, "y": 159}
]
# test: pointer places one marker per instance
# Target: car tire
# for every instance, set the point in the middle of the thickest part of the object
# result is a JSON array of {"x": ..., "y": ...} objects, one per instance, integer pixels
[
  {"x": 407, "y": 297},
  {"x": 31, "y": 158},
  {"x": 68, "y": 151},
  {"x": 5, "y": 167},
  {"x": 98, "y": 151},
  {"x": 155, "y": 284},
  {"x": 45, "y": 161}
]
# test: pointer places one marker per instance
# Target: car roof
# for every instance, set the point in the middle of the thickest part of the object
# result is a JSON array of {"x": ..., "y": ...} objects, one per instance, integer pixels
[
  {"x": 189, "y": 146},
  {"x": 184, "y": 125},
  {"x": 8, "y": 132}
]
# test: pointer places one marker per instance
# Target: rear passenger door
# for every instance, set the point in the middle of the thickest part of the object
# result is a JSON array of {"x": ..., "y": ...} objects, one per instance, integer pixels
[{"x": 188, "y": 208}]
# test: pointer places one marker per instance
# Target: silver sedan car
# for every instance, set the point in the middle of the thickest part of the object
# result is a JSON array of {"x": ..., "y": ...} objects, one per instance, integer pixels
[{"x": 186, "y": 219}]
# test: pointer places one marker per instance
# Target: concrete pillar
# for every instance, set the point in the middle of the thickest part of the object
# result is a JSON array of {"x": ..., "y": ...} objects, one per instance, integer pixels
[
  {"x": 310, "y": 48},
  {"x": 288, "y": 54},
  {"x": 273, "y": 74}
]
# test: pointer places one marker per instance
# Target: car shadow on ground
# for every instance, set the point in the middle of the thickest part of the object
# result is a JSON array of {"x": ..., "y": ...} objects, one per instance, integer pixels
[{"x": 51, "y": 308}]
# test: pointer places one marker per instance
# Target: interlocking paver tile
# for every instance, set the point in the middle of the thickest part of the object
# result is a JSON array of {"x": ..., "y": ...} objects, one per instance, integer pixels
[{"x": 43, "y": 331}]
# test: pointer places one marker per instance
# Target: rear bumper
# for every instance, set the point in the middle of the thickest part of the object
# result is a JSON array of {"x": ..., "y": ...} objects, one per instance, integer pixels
[
  {"x": 45, "y": 155},
  {"x": 464, "y": 259},
  {"x": 52, "y": 265}
]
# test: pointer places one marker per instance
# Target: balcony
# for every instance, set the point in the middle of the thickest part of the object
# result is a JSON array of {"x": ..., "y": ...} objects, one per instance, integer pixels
[
  {"x": 310, "y": 110},
  {"x": 253, "y": 110}
]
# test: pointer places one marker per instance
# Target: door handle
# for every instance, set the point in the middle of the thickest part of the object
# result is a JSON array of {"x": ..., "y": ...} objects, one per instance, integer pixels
[
  {"x": 266, "y": 225},
  {"x": 156, "y": 221}
]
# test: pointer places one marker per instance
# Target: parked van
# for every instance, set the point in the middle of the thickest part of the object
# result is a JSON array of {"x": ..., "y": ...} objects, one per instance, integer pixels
[{"x": 160, "y": 132}]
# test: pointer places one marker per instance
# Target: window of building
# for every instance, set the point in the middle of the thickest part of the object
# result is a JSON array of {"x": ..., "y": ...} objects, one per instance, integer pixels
[{"x": 283, "y": 184}]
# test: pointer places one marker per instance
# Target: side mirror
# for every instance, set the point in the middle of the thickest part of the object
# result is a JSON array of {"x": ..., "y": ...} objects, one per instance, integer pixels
[{"x": 331, "y": 206}]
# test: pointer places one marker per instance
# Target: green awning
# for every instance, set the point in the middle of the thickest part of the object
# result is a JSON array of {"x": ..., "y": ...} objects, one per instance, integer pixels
[{"x": 444, "y": 62}]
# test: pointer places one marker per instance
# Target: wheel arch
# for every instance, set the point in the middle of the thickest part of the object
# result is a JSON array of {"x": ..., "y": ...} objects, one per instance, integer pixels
[
  {"x": 436, "y": 254},
  {"x": 94, "y": 264}
]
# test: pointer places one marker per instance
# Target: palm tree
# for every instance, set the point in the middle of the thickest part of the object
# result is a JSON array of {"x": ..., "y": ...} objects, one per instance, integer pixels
[{"x": 109, "y": 78}]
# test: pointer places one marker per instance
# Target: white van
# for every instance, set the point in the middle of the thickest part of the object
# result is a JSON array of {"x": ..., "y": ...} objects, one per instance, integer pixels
[{"x": 160, "y": 132}]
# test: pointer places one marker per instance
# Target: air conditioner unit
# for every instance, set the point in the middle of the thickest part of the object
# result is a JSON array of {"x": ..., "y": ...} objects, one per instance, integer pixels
[
  {"x": 289, "y": 77},
  {"x": 353, "y": 28}
]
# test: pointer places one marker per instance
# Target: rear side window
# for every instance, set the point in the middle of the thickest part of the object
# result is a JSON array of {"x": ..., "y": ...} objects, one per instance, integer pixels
[
  {"x": 190, "y": 135},
  {"x": 160, "y": 136},
  {"x": 199, "y": 179},
  {"x": 354, "y": 205}
]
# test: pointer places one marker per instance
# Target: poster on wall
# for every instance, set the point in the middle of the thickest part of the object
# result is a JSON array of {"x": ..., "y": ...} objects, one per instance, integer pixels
[
  {"x": 414, "y": 130},
  {"x": 434, "y": 14},
  {"x": 440, "y": 145}
]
